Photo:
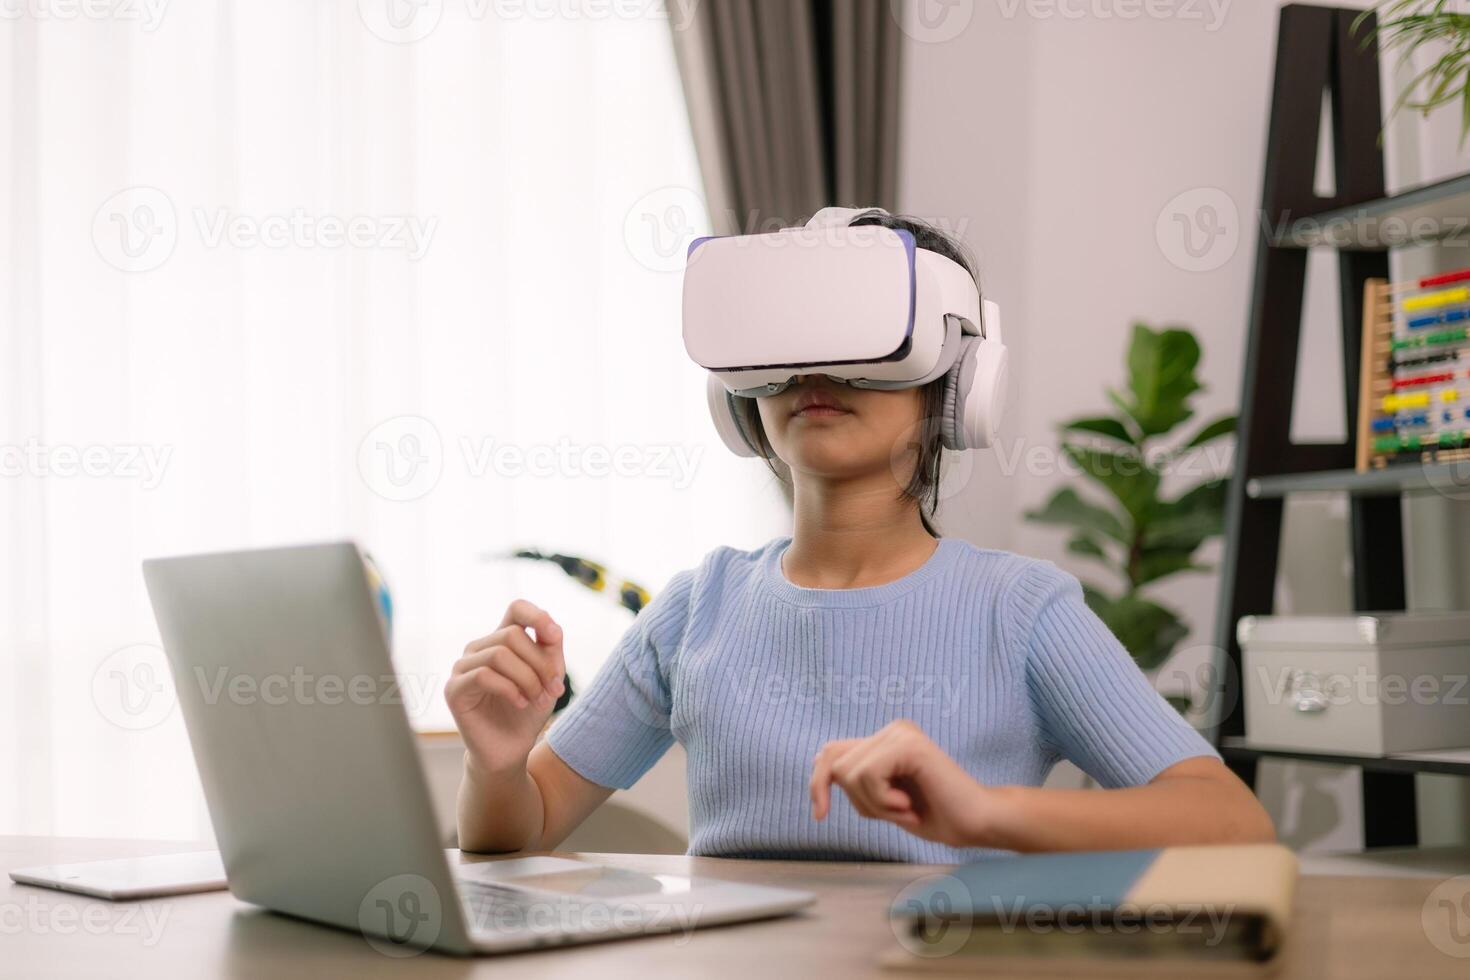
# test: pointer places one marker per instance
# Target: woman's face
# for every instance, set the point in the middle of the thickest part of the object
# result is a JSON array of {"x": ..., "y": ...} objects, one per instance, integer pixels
[{"x": 827, "y": 428}]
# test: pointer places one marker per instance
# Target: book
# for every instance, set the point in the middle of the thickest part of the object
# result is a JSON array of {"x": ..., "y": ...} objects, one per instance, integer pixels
[{"x": 1227, "y": 904}]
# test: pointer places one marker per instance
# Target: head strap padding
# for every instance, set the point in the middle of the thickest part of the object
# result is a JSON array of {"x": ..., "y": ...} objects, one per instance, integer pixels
[{"x": 840, "y": 217}]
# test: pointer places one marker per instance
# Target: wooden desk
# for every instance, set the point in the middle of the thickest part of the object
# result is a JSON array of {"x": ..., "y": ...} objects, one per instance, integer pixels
[{"x": 1347, "y": 927}]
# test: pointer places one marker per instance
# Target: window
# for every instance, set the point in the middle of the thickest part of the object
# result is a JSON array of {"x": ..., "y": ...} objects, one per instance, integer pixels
[{"x": 284, "y": 272}]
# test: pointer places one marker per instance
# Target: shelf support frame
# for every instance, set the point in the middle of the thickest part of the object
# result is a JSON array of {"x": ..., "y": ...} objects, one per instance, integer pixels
[{"x": 1316, "y": 52}]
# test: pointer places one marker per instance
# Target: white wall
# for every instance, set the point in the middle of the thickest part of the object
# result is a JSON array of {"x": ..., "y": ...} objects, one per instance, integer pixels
[{"x": 1053, "y": 144}]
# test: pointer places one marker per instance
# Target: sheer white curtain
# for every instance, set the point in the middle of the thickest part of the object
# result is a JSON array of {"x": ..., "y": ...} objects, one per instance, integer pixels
[{"x": 286, "y": 271}]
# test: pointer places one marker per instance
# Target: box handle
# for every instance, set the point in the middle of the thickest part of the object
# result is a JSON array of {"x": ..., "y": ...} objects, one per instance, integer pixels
[{"x": 1306, "y": 694}]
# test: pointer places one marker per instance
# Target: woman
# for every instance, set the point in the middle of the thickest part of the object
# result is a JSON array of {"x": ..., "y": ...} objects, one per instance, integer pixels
[{"x": 933, "y": 682}]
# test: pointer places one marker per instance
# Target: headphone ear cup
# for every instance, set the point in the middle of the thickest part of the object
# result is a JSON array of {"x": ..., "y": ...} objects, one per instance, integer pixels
[
  {"x": 951, "y": 426},
  {"x": 974, "y": 395},
  {"x": 724, "y": 412}
]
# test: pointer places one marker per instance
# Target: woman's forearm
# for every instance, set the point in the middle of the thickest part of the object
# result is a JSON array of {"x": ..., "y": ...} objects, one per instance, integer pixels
[
  {"x": 1180, "y": 809},
  {"x": 499, "y": 812}
]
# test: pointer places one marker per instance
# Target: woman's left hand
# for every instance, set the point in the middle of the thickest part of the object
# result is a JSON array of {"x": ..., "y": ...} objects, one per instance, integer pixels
[{"x": 899, "y": 775}]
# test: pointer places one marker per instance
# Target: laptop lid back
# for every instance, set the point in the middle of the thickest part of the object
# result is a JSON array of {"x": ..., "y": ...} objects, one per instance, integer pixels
[{"x": 309, "y": 766}]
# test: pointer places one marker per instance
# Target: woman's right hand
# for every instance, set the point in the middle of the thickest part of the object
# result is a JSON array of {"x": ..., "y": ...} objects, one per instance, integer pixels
[{"x": 502, "y": 690}]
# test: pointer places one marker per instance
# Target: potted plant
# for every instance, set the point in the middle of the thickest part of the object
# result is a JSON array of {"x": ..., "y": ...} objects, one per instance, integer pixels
[
  {"x": 1407, "y": 26},
  {"x": 1133, "y": 530}
]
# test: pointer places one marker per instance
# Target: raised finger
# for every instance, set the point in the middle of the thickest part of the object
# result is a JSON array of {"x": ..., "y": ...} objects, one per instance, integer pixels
[{"x": 820, "y": 786}]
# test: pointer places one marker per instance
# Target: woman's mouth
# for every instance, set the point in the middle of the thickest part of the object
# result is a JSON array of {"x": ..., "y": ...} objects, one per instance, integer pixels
[{"x": 817, "y": 404}]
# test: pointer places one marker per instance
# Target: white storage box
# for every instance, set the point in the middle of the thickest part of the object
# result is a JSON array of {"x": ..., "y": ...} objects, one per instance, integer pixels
[{"x": 1367, "y": 684}]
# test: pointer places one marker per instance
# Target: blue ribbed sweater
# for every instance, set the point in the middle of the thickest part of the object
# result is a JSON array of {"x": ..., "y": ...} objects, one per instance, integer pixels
[{"x": 995, "y": 656}]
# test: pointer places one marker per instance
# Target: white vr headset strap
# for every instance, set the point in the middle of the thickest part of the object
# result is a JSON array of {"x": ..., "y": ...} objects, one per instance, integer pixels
[
  {"x": 839, "y": 217},
  {"x": 990, "y": 321}
]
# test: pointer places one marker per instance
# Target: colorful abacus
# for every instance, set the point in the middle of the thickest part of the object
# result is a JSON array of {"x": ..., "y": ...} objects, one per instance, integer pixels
[{"x": 1415, "y": 389}]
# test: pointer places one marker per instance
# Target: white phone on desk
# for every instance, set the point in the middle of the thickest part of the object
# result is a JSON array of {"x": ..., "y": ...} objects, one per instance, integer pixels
[{"x": 123, "y": 879}]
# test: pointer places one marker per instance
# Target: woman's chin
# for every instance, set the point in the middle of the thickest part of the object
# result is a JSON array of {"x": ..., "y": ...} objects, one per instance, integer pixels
[{"x": 829, "y": 458}]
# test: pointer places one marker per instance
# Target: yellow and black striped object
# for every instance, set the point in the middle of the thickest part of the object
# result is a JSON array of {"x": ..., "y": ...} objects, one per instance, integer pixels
[{"x": 628, "y": 594}]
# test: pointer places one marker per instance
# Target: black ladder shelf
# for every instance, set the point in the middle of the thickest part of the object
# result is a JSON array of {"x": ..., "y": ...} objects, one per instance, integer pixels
[{"x": 1317, "y": 52}]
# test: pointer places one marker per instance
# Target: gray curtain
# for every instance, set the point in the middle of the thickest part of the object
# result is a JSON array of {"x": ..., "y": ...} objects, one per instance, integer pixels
[{"x": 794, "y": 106}]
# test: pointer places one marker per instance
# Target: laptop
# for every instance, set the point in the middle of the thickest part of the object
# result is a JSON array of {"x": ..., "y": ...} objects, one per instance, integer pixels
[{"x": 315, "y": 788}]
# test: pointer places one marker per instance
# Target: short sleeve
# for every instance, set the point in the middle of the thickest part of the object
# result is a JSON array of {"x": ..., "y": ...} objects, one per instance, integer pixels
[
  {"x": 1094, "y": 706},
  {"x": 615, "y": 730}
]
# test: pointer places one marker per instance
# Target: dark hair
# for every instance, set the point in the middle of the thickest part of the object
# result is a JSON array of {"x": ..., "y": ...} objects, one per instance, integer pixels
[{"x": 923, "y": 486}]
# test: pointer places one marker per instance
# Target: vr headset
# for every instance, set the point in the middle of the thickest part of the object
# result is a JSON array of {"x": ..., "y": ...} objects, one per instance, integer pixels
[{"x": 861, "y": 305}]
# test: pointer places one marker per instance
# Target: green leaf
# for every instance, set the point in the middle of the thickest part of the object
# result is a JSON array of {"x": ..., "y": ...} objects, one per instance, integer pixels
[
  {"x": 1096, "y": 599},
  {"x": 1082, "y": 544},
  {"x": 1189, "y": 521},
  {"x": 1119, "y": 402},
  {"x": 1156, "y": 563},
  {"x": 1104, "y": 425},
  {"x": 1221, "y": 426},
  {"x": 1125, "y": 475},
  {"x": 1147, "y": 630},
  {"x": 1161, "y": 377},
  {"x": 1180, "y": 702},
  {"x": 1407, "y": 26},
  {"x": 1067, "y": 508}
]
